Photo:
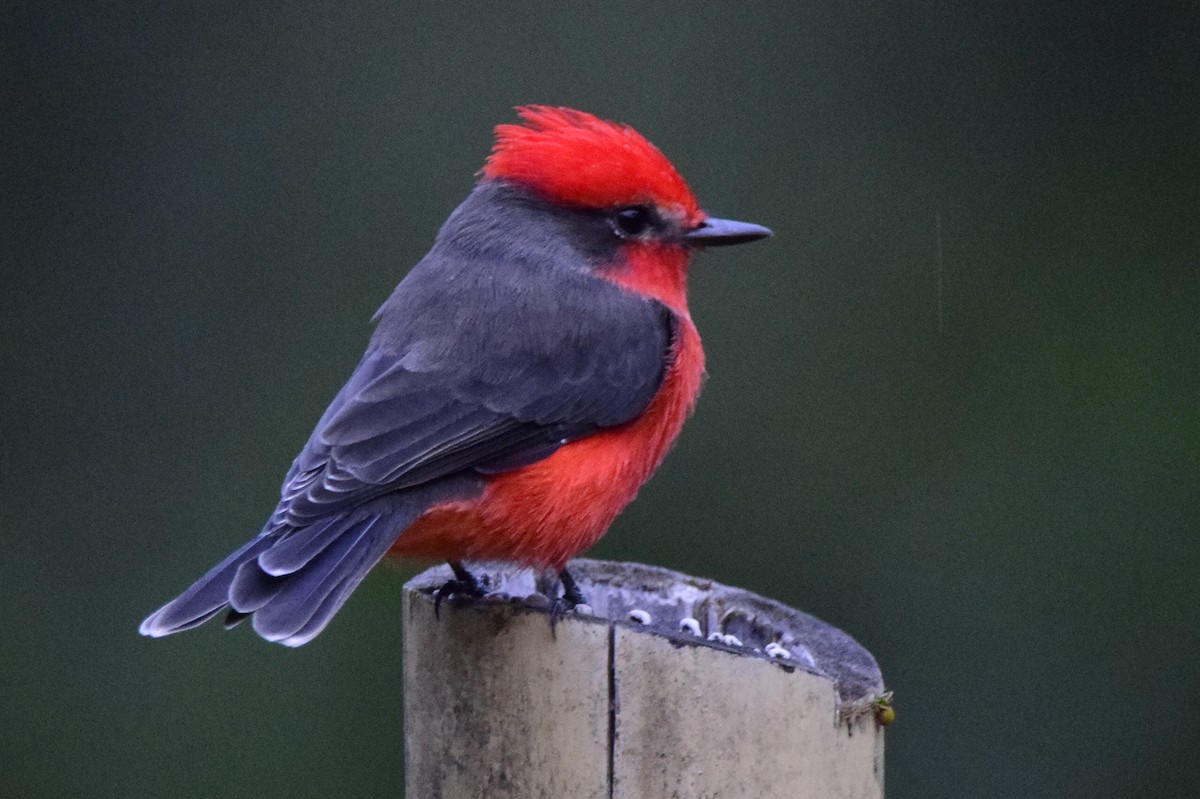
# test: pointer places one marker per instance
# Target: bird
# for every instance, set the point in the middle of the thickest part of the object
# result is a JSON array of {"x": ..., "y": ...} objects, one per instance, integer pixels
[{"x": 521, "y": 384}]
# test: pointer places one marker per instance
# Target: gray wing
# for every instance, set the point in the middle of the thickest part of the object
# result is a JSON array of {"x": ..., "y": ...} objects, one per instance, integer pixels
[{"x": 478, "y": 373}]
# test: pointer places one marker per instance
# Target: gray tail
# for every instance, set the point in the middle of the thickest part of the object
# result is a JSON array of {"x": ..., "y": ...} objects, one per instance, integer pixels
[{"x": 290, "y": 581}]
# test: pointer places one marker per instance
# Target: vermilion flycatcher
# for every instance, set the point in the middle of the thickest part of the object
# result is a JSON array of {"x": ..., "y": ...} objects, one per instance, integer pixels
[{"x": 523, "y": 381}]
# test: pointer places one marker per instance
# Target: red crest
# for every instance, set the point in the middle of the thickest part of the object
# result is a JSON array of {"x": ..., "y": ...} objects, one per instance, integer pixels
[{"x": 578, "y": 159}]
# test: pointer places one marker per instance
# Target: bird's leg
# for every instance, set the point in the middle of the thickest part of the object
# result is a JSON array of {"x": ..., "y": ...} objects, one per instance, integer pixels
[
  {"x": 571, "y": 597},
  {"x": 571, "y": 593},
  {"x": 463, "y": 584}
]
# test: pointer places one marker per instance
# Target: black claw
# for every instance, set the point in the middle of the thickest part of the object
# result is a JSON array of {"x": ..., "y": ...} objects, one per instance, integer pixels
[
  {"x": 571, "y": 597},
  {"x": 463, "y": 584},
  {"x": 558, "y": 608}
]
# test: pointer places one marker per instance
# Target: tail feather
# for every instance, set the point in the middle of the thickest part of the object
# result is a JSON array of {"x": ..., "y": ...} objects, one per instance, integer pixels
[
  {"x": 290, "y": 608},
  {"x": 233, "y": 619},
  {"x": 252, "y": 588},
  {"x": 291, "y": 581},
  {"x": 294, "y": 606},
  {"x": 206, "y": 597},
  {"x": 324, "y": 613},
  {"x": 292, "y": 552},
  {"x": 325, "y": 599}
]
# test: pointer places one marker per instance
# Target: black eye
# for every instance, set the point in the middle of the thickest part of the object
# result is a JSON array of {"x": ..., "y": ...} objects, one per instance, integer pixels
[{"x": 633, "y": 221}]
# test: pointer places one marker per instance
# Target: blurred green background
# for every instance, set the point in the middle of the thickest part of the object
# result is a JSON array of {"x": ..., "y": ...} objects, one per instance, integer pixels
[{"x": 992, "y": 484}]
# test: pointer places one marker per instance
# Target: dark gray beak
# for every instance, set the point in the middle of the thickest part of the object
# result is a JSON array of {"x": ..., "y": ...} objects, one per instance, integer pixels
[{"x": 720, "y": 232}]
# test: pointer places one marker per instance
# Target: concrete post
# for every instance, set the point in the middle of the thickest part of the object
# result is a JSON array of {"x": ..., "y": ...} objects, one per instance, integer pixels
[{"x": 667, "y": 686}]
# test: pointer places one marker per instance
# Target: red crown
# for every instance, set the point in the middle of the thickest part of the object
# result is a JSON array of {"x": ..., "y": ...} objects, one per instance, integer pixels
[{"x": 575, "y": 158}]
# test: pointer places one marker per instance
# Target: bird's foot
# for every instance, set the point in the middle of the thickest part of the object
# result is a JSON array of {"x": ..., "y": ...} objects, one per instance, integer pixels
[
  {"x": 463, "y": 584},
  {"x": 571, "y": 598}
]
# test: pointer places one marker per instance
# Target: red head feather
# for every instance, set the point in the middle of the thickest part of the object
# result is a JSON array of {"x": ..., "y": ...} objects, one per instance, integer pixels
[{"x": 578, "y": 159}]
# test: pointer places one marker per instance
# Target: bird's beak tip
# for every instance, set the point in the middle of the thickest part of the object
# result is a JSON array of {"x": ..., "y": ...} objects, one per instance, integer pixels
[{"x": 714, "y": 232}]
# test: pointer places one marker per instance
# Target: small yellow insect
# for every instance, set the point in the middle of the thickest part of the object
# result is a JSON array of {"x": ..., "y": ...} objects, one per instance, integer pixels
[{"x": 885, "y": 714}]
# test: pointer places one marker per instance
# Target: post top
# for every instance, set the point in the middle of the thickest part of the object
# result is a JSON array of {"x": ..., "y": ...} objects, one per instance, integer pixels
[{"x": 691, "y": 611}]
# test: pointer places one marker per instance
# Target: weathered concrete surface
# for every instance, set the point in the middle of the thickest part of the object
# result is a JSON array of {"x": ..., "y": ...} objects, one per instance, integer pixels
[{"x": 625, "y": 700}]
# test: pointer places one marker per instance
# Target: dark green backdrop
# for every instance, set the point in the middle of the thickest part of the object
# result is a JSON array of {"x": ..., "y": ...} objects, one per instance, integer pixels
[{"x": 993, "y": 485}]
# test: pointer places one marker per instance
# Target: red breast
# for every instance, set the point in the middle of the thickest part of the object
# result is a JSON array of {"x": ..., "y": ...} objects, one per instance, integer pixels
[{"x": 546, "y": 513}]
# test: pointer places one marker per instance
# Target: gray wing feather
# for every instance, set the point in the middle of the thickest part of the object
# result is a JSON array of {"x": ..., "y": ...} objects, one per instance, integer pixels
[{"x": 429, "y": 400}]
